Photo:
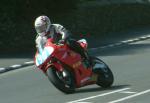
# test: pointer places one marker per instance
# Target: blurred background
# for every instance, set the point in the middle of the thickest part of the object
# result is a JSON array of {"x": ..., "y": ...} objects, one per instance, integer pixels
[{"x": 87, "y": 18}]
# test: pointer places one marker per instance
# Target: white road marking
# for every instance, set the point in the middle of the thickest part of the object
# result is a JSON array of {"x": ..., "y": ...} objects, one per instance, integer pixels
[
  {"x": 102, "y": 47},
  {"x": 117, "y": 44},
  {"x": 148, "y": 36},
  {"x": 100, "y": 95},
  {"x": 15, "y": 66},
  {"x": 143, "y": 37},
  {"x": 122, "y": 42},
  {"x": 2, "y": 69},
  {"x": 128, "y": 97},
  {"x": 126, "y": 41},
  {"x": 130, "y": 40},
  {"x": 128, "y": 92},
  {"x": 111, "y": 45},
  {"x": 30, "y": 62},
  {"x": 83, "y": 102},
  {"x": 136, "y": 39}
]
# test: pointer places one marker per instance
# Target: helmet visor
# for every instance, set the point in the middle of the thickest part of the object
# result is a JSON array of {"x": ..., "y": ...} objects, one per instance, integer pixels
[{"x": 40, "y": 29}]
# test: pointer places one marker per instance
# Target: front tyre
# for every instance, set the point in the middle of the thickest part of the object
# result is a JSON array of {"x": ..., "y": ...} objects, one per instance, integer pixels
[
  {"x": 105, "y": 76},
  {"x": 61, "y": 80}
]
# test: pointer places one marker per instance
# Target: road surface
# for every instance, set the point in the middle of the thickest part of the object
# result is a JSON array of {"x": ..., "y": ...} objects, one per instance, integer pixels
[{"x": 131, "y": 67}]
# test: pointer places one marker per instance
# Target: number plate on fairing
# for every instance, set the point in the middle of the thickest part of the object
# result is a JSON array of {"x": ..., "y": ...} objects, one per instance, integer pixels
[{"x": 41, "y": 57}]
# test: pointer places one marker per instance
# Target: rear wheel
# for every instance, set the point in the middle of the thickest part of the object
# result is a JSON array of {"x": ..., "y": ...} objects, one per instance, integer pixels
[
  {"x": 61, "y": 80},
  {"x": 105, "y": 76}
]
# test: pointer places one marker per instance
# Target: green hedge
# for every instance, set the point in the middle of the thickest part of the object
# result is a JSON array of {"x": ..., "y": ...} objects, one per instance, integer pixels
[
  {"x": 17, "y": 19},
  {"x": 100, "y": 20}
]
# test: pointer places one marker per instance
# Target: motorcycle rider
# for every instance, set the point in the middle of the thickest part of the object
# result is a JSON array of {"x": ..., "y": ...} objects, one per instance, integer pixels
[{"x": 58, "y": 33}]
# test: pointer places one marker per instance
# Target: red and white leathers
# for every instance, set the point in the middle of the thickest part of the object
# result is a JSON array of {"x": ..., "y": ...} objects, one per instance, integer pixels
[{"x": 56, "y": 32}]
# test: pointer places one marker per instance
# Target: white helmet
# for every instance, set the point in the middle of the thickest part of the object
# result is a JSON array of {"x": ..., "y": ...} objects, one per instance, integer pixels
[{"x": 42, "y": 25}]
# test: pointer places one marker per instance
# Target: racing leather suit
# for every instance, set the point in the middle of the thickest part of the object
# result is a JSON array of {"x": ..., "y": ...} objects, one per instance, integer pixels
[{"x": 58, "y": 32}]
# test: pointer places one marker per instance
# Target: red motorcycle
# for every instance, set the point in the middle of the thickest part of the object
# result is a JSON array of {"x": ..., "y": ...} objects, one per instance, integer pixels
[{"x": 67, "y": 71}]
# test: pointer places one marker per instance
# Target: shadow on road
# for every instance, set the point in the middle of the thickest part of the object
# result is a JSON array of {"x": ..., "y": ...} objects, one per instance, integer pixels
[
  {"x": 98, "y": 89},
  {"x": 7, "y": 60}
]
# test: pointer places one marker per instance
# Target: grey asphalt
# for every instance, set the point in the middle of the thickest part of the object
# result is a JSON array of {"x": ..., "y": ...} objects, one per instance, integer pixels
[
  {"x": 10, "y": 59},
  {"x": 129, "y": 63}
]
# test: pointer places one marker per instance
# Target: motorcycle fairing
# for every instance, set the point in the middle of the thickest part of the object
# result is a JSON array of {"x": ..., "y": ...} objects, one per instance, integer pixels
[{"x": 41, "y": 57}]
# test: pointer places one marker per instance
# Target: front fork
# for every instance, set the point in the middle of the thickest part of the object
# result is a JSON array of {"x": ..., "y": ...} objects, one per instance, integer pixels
[{"x": 57, "y": 65}]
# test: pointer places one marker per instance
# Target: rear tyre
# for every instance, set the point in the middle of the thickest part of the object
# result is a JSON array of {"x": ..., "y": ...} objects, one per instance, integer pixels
[
  {"x": 105, "y": 76},
  {"x": 61, "y": 80}
]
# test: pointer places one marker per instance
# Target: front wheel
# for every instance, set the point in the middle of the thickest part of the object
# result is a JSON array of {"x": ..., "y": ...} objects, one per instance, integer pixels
[
  {"x": 61, "y": 80},
  {"x": 105, "y": 76}
]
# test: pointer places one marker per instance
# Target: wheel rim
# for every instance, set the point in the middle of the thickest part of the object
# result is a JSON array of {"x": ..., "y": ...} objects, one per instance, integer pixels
[{"x": 65, "y": 77}]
